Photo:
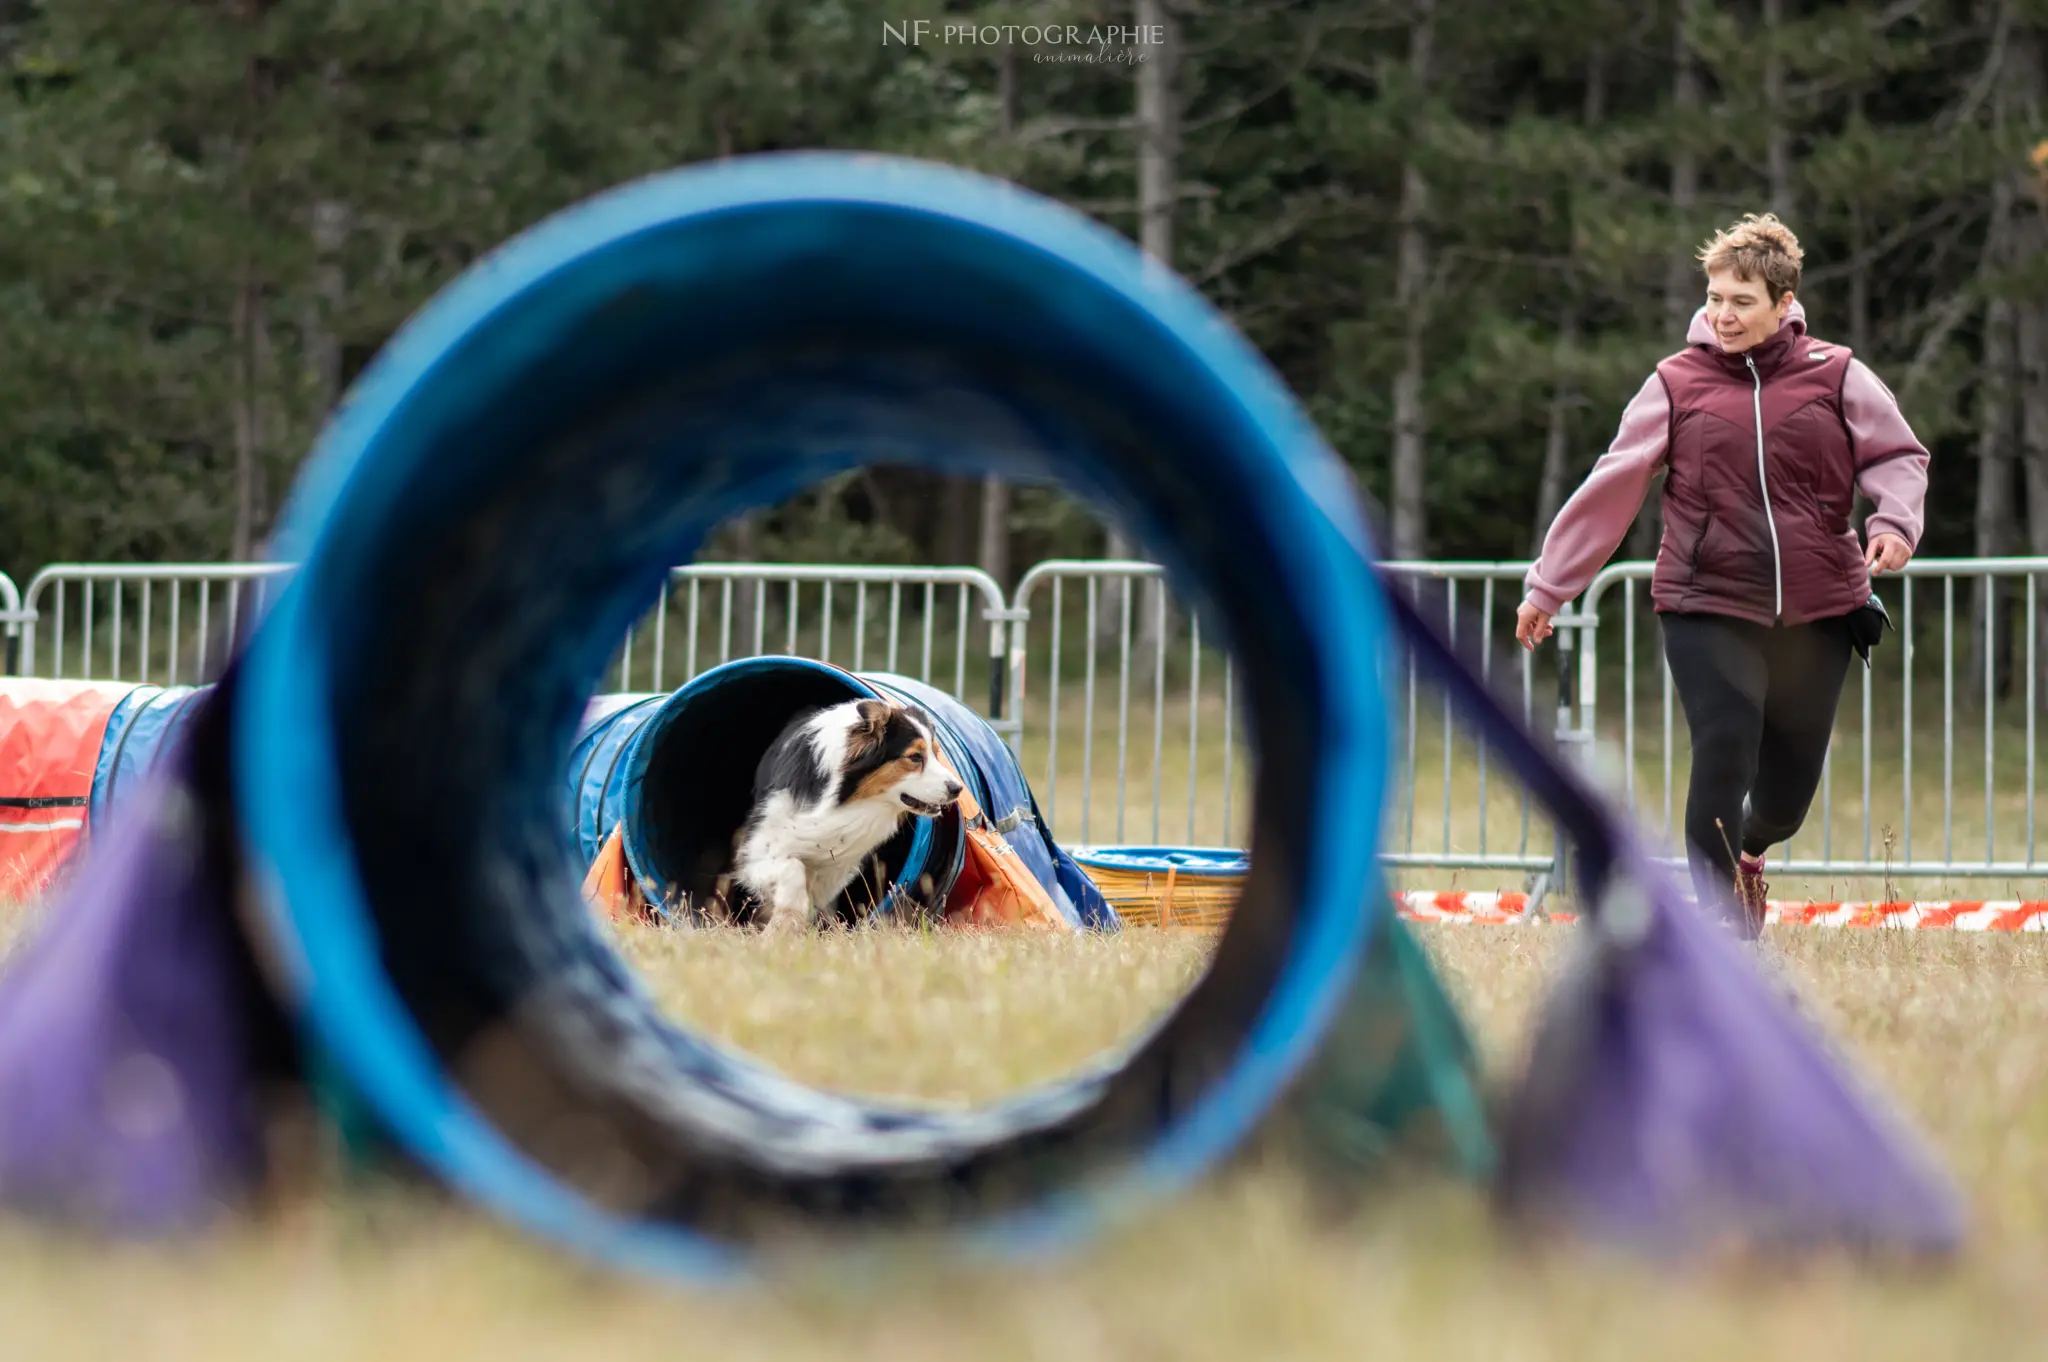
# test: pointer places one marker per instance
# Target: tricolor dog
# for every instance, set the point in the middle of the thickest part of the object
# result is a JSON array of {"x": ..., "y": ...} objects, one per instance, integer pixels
[{"x": 831, "y": 790}]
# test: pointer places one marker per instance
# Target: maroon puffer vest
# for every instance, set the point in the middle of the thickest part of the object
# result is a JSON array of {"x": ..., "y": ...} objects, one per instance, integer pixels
[{"x": 1762, "y": 477}]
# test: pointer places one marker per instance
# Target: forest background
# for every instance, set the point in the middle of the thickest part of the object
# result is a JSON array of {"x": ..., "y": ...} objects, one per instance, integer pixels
[{"x": 1461, "y": 229}]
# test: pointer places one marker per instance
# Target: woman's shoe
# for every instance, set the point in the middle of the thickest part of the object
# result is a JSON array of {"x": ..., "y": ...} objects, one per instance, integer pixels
[{"x": 1752, "y": 892}]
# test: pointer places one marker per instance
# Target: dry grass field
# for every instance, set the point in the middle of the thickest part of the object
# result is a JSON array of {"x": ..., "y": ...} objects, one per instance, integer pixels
[{"x": 1260, "y": 1264}]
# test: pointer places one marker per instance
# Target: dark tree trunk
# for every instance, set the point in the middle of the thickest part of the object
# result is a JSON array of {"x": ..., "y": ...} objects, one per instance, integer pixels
[
  {"x": 1997, "y": 432},
  {"x": 1410, "y": 528},
  {"x": 1158, "y": 194},
  {"x": 1681, "y": 274},
  {"x": 1784, "y": 191},
  {"x": 994, "y": 548},
  {"x": 1564, "y": 394}
]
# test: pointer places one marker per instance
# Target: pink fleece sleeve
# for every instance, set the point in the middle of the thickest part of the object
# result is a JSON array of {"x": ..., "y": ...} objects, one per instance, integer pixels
[
  {"x": 1891, "y": 464},
  {"x": 1591, "y": 525}
]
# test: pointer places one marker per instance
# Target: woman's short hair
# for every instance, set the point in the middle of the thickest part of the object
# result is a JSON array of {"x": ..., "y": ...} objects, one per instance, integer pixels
[{"x": 1757, "y": 248}]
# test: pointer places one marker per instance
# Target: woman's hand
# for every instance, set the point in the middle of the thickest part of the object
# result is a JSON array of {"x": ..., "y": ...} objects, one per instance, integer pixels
[
  {"x": 1887, "y": 553},
  {"x": 1532, "y": 626}
]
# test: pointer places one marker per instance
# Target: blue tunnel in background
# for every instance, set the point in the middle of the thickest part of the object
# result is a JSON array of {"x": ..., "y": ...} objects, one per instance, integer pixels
[
  {"x": 143, "y": 724},
  {"x": 675, "y": 773}
]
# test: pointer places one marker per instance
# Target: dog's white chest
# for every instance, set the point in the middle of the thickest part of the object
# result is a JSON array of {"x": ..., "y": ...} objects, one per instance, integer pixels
[
  {"x": 830, "y": 843},
  {"x": 838, "y": 840}
]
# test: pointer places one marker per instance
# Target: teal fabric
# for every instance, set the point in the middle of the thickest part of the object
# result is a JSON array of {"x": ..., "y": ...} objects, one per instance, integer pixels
[{"x": 1398, "y": 1074}]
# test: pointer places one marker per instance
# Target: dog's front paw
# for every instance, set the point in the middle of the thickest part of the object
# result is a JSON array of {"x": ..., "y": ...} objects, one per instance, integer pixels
[
  {"x": 784, "y": 922},
  {"x": 778, "y": 890}
]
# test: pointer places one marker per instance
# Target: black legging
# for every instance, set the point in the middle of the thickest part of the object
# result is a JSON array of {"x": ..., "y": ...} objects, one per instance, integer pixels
[{"x": 1760, "y": 706}]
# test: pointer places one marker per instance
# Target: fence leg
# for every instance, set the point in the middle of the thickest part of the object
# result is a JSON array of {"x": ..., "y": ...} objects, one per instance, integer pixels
[{"x": 1006, "y": 653}]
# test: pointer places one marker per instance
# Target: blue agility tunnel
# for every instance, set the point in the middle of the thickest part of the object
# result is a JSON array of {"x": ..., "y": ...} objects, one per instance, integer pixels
[
  {"x": 674, "y": 772},
  {"x": 143, "y": 723}
]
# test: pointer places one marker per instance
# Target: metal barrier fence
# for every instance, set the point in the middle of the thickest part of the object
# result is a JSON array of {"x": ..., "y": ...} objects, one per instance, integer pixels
[
  {"x": 76, "y": 625},
  {"x": 1475, "y": 824},
  {"x": 1126, "y": 713},
  {"x": 1168, "y": 765},
  {"x": 1129, "y": 602}
]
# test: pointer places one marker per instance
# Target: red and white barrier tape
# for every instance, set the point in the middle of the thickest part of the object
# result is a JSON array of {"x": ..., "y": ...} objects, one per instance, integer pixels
[
  {"x": 1418, "y": 905},
  {"x": 2008, "y": 915}
]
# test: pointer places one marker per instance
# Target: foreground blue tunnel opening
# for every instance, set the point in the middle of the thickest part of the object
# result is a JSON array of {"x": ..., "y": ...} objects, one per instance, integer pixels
[{"x": 503, "y": 493}]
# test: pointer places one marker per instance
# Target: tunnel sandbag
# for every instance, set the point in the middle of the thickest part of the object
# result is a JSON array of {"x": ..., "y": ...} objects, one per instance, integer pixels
[
  {"x": 673, "y": 775},
  {"x": 68, "y": 748},
  {"x": 50, "y": 741},
  {"x": 503, "y": 493},
  {"x": 139, "y": 1043},
  {"x": 992, "y": 775}
]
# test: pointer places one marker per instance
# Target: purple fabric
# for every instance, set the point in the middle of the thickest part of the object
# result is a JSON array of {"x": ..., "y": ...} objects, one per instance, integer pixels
[
  {"x": 127, "y": 1091},
  {"x": 1675, "y": 1099}
]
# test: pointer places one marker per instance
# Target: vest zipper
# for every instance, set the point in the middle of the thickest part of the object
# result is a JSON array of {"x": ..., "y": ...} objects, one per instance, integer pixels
[{"x": 1763, "y": 485}]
